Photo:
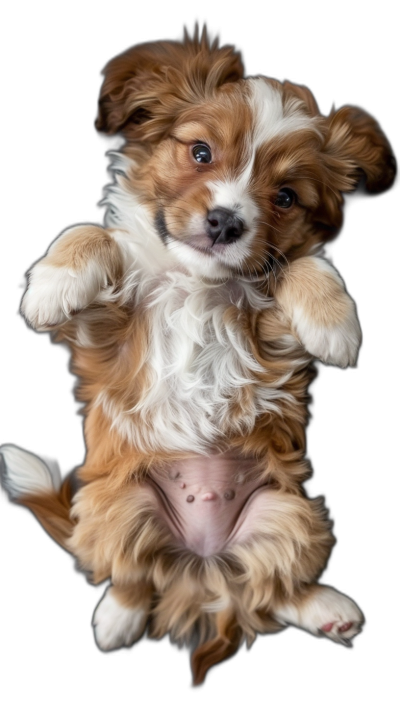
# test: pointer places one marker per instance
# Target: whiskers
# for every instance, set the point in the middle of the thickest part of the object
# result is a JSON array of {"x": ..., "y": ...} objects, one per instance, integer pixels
[{"x": 257, "y": 272}]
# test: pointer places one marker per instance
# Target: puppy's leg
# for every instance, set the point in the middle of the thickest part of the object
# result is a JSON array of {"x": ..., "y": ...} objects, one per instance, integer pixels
[
  {"x": 323, "y": 316},
  {"x": 78, "y": 265},
  {"x": 322, "y": 611},
  {"x": 120, "y": 617}
]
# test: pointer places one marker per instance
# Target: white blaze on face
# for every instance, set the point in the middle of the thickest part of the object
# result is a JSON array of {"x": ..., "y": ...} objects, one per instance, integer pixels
[{"x": 271, "y": 119}]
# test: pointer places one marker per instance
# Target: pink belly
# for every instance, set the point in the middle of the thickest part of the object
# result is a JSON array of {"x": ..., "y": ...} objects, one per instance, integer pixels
[{"x": 206, "y": 500}]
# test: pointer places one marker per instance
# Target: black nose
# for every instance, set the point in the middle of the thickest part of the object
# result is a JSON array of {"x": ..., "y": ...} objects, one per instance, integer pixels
[{"x": 223, "y": 226}]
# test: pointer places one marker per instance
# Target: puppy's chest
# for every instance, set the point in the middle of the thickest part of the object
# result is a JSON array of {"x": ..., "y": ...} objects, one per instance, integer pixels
[
  {"x": 198, "y": 347},
  {"x": 202, "y": 380}
]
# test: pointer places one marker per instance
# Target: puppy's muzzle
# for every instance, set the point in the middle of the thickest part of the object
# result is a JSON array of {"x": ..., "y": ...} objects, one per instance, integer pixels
[{"x": 223, "y": 226}]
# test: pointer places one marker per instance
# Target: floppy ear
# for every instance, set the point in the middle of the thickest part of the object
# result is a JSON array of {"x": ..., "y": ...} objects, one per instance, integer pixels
[
  {"x": 357, "y": 146},
  {"x": 146, "y": 86}
]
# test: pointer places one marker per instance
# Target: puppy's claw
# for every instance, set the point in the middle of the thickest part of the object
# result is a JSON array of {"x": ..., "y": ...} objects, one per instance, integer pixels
[{"x": 346, "y": 626}]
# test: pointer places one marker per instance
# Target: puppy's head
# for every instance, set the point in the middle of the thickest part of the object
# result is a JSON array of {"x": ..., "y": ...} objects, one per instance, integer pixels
[{"x": 239, "y": 174}]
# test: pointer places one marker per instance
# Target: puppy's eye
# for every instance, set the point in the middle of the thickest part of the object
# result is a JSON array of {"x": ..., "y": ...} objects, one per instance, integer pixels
[
  {"x": 202, "y": 154},
  {"x": 285, "y": 198}
]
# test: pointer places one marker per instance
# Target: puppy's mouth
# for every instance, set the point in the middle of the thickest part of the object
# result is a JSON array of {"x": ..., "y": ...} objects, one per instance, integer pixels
[
  {"x": 222, "y": 229},
  {"x": 204, "y": 245}
]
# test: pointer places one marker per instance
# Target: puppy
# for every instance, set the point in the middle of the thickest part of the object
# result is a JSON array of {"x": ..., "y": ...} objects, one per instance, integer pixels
[{"x": 193, "y": 318}]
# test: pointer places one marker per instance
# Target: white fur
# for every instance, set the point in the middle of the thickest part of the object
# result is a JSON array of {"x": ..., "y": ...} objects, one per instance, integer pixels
[
  {"x": 55, "y": 293},
  {"x": 135, "y": 234},
  {"x": 24, "y": 473},
  {"x": 211, "y": 266},
  {"x": 115, "y": 625},
  {"x": 337, "y": 345},
  {"x": 324, "y": 606},
  {"x": 272, "y": 117}
]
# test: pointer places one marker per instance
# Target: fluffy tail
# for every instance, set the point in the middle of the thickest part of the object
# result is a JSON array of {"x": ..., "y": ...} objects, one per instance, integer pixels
[
  {"x": 224, "y": 645},
  {"x": 31, "y": 483}
]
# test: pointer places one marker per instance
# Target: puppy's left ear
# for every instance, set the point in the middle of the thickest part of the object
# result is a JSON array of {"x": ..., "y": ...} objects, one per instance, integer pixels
[
  {"x": 356, "y": 146},
  {"x": 149, "y": 85}
]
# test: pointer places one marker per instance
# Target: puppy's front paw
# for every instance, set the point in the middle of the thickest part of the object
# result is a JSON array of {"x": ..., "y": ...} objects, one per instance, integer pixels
[
  {"x": 56, "y": 293},
  {"x": 115, "y": 625},
  {"x": 336, "y": 344}
]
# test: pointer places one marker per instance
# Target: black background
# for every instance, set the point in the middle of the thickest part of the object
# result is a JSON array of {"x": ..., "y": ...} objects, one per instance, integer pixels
[{"x": 56, "y": 176}]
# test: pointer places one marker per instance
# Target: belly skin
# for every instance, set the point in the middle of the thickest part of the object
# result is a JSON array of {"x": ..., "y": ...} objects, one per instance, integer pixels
[{"x": 205, "y": 499}]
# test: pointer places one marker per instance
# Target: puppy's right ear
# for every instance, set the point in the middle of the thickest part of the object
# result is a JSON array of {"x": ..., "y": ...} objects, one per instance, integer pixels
[
  {"x": 147, "y": 86},
  {"x": 356, "y": 146}
]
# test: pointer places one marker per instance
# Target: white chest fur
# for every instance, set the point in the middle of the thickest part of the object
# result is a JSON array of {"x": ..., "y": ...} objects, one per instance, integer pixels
[{"x": 200, "y": 365}]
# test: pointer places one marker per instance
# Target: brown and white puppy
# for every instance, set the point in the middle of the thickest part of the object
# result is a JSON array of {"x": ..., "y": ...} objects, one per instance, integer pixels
[{"x": 193, "y": 318}]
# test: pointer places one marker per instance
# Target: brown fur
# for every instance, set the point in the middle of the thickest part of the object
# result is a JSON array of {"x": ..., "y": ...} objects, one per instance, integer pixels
[
  {"x": 161, "y": 96},
  {"x": 323, "y": 302},
  {"x": 53, "y": 511}
]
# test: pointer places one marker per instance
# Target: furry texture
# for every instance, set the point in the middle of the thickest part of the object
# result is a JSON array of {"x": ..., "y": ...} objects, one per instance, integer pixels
[{"x": 193, "y": 318}]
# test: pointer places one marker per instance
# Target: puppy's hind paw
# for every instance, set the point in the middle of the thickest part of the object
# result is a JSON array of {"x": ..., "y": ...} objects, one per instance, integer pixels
[
  {"x": 334, "y": 615},
  {"x": 342, "y": 632},
  {"x": 324, "y": 611},
  {"x": 115, "y": 625}
]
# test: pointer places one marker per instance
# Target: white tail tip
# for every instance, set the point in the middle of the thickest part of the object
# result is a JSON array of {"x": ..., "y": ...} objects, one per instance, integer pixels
[{"x": 23, "y": 473}]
